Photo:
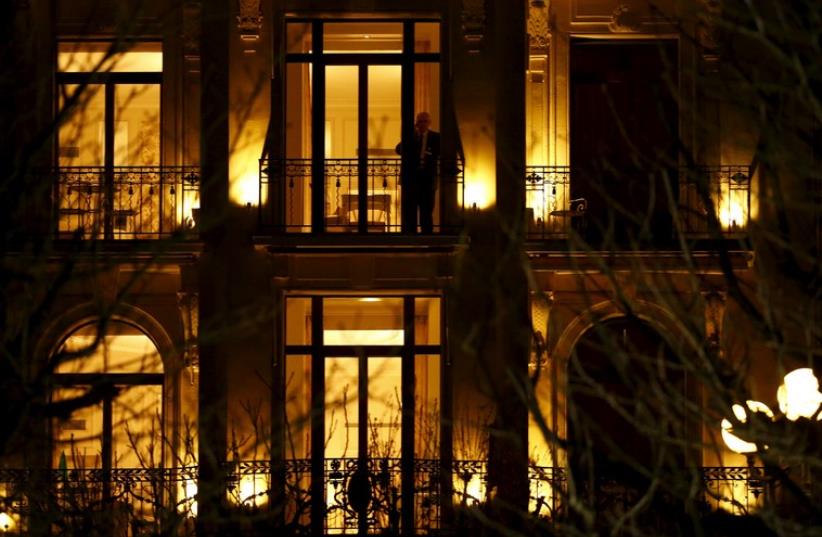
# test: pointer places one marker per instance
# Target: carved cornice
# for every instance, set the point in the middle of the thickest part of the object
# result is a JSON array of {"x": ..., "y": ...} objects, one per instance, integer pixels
[
  {"x": 707, "y": 31},
  {"x": 473, "y": 24},
  {"x": 539, "y": 31},
  {"x": 625, "y": 19},
  {"x": 189, "y": 304}
]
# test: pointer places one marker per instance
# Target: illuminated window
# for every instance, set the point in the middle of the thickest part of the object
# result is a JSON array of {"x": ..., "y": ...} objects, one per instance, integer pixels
[
  {"x": 362, "y": 352},
  {"x": 110, "y": 183},
  {"x": 344, "y": 123},
  {"x": 121, "y": 426},
  {"x": 89, "y": 57}
]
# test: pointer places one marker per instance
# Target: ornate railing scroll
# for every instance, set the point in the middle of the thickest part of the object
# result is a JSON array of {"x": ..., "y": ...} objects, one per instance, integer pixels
[
  {"x": 140, "y": 500},
  {"x": 739, "y": 490},
  {"x": 125, "y": 202},
  {"x": 548, "y": 204},
  {"x": 160, "y": 500}
]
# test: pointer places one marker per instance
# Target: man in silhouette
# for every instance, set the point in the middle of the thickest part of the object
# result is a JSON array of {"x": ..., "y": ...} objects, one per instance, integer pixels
[{"x": 419, "y": 175}]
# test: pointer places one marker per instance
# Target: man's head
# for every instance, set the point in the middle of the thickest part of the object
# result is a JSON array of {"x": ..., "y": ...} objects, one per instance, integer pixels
[{"x": 423, "y": 122}]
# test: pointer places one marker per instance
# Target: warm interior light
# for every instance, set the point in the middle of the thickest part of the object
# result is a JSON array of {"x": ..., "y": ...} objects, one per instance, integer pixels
[
  {"x": 734, "y": 443},
  {"x": 733, "y": 203},
  {"x": 480, "y": 173},
  {"x": 253, "y": 491},
  {"x": 469, "y": 489},
  {"x": 188, "y": 502},
  {"x": 244, "y": 190},
  {"x": 370, "y": 299},
  {"x": 364, "y": 337},
  {"x": 477, "y": 195},
  {"x": 90, "y": 56},
  {"x": 799, "y": 394}
]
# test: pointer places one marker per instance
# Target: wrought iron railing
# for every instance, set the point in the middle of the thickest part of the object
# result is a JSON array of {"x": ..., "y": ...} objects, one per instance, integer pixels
[
  {"x": 368, "y": 500},
  {"x": 726, "y": 190},
  {"x": 135, "y": 500},
  {"x": 157, "y": 500},
  {"x": 286, "y": 202},
  {"x": 125, "y": 202},
  {"x": 549, "y": 209},
  {"x": 740, "y": 490}
]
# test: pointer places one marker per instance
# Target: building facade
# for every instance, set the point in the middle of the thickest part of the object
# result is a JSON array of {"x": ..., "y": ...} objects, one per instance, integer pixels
[{"x": 225, "y": 311}]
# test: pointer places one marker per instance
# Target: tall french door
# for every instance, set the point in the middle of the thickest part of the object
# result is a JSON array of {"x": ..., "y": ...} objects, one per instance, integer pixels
[
  {"x": 363, "y": 383},
  {"x": 109, "y": 143},
  {"x": 362, "y": 122},
  {"x": 352, "y": 90}
]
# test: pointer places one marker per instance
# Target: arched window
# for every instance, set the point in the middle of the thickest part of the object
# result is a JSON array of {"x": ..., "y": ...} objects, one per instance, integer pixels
[
  {"x": 626, "y": 426},
  {"x": 110, "y": 384}
]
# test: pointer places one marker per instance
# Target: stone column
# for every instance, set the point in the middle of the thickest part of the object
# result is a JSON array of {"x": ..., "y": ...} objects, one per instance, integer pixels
[
  {"x": 214, "y": 287},
  {"x": 508, "y": 447}
]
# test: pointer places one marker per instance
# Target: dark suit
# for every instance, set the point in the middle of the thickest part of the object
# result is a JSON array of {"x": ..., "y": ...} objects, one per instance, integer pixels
[{"x": 419, "y": 187}]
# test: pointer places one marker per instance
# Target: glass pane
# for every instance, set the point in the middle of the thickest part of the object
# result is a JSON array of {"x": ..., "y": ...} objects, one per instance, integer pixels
[
  {"x": 82, "y": 134},
  {"x": 427, "y": 320},
  {"x": 341, "y": 403},
  {"x": 124, "y": 349},
  {"x": 297, "y": 321},
  {"x": 427, "y": 92},
  {"x": 427, "y": 406},
  {"x": 81, "y": 139},
  {"x": 298, "y": 437},
  {"x": 363, "y": 321},
  {"x": 426, "y": 438},
  {"x": 78, "y": 440},
  {"x": 365, "y": 37},
  {"x": 427, "y": 37},
  {"x": 427, "y": 101},
  {"x": 298, "y": 37},
  {"x": 384, "y": 408},
  {"x": 341, "y": 145},
  {"x": 142, "y": 204},
  {"x": 294, "y": 177},
  {"x": 137, "y": 125},
  {"x": 536, "y": 110},
  {"x": 85, "y": 57},
  {"x": 137, "y": 427},
  {"x": 384, "y": 132},
  {"x": 298, "y": 407}
]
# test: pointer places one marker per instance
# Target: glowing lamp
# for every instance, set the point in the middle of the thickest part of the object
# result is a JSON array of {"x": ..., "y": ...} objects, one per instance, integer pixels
[
  {"x": 799, "y": 395},
  {"x": 734, "y": 443},
  {"x": 188, "y": 503},
  {"x": 6, "y": 523}
]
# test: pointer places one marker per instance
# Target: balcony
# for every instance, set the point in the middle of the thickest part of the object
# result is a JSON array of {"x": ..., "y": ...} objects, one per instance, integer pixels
[
  {"x": 125, "y": 202},
  {"x": 551, "y": 211},
  {"x": 358, "y": 196},
  {"x": 153, "y": 501}
]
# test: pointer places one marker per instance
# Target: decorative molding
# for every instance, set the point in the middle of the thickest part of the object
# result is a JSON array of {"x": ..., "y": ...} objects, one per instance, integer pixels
[
  {"x": 473, "y": 24},
  {"x": 714, "y": 319},
  {"x": 249, "y": 20},
  {"x": 541, "y": 306},
  {"x": 191, "y": 35},
  {"x": 707, "y": 31},
  {"x": 539, "y": 29},
  {"x": 625, "y": 19},
  {"x": 189, "y": 304}
]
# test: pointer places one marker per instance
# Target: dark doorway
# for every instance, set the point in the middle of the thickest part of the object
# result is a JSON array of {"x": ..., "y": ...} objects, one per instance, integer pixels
[
  {"x": 625, "y": 418},
  {"x": 624, "y": 128}
]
